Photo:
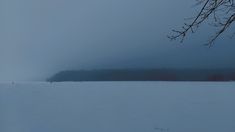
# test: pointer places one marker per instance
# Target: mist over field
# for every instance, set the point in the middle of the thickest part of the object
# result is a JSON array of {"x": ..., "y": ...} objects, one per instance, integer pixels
[
  {"x": 108, "y": 66},
  {"x": 41, "y": 38}
]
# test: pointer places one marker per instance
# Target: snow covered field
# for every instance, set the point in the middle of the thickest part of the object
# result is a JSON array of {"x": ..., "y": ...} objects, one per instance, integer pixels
[{"x": 117, "y": 107}]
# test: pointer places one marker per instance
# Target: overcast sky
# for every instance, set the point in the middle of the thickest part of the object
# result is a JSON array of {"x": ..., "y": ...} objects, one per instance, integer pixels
[{"x": 41, "y": 37}]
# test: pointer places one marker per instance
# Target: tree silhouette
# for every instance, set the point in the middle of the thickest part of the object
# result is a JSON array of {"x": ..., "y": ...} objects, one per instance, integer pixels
[{"x": 221, "y": 12}]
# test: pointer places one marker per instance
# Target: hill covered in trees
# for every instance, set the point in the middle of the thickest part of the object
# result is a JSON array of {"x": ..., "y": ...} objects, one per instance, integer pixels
[{"x": 145, "y": 75}]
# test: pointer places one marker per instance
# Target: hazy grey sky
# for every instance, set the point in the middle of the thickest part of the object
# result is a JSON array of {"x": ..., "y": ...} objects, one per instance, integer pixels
[{"x": 41, "y": 37}]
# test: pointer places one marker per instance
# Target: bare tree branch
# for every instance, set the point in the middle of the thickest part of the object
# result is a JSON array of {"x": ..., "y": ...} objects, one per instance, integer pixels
[{"x": 221, "y": 12}]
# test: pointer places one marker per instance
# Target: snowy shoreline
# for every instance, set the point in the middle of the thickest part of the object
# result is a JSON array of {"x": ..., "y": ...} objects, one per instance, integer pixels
[{"x": 117, "y": 106}]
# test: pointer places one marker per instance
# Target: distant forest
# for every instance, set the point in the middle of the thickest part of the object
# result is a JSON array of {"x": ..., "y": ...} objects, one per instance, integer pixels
[{"x": 145, "y": 75}]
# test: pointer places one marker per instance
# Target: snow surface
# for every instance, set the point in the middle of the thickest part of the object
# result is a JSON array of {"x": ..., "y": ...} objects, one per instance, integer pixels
[{"x": 117, "y": 107}]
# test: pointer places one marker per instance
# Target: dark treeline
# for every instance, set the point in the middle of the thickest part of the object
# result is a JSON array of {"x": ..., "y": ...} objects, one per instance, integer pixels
[{"x": 145, "y": 75}]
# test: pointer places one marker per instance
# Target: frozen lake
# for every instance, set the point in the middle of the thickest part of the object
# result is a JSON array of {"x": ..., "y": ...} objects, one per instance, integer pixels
[{"x": 117, "y": 107}]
